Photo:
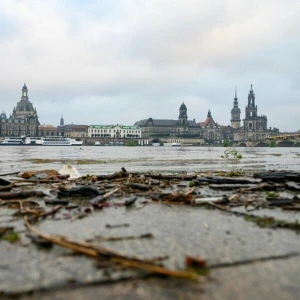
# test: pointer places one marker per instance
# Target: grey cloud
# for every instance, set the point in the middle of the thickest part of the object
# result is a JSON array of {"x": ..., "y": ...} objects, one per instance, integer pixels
[{"x": 120, "y": 61}]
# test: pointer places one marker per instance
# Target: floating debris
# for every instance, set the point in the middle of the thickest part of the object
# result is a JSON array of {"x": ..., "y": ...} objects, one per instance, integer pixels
[{"x": 69, "y": 170}]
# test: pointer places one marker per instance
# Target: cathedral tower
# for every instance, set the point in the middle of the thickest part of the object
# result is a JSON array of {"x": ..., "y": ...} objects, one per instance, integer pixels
[
  {"x": 250, "y": 112},
  {"x": 251, "y": 108},
  {"x": 235, "y": 113},
  {"x": 183, "y": 118}
]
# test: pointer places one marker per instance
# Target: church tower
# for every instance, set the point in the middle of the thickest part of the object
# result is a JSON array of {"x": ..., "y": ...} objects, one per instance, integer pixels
[
  {"x": 251, "y": 112},
  {"x": 251, "y": 108},
  {"x": 62, "y": 123},
  {"x": 235, "y": 114},
  {"x": 183, "y": 118}
]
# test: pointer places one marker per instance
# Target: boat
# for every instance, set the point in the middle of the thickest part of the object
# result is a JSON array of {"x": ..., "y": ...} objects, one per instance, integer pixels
[
  {"x": 33, "y": 141},
  {"x": 42, "y": 141},
  {"x": 173, "y": 144},
  {"x": 13, "y": 141},
  {"x": 61, "y": 141},
  {"x": 76, "y": 142}
]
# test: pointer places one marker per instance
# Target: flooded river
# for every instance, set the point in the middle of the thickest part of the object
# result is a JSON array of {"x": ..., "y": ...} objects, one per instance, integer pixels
[{"x": 103, "y": 160}]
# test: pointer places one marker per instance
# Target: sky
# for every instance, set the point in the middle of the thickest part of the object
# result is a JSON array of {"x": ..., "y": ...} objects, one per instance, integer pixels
[{"x": 120, "y": 61}]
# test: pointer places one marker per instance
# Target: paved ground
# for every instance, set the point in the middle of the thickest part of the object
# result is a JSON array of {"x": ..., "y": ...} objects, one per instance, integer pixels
[
  {"x": 244, "y": 260},
  {"x": 178, "y": 231}
]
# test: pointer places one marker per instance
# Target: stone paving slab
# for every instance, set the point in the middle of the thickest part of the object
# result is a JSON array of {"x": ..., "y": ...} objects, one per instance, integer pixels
[
  {"x": 178, "y": 231},
  {"x": 260, "y": 281}
]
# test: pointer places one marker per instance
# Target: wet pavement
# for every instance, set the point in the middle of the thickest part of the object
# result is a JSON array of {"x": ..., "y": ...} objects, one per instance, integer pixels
[{"x": 244, "y": 260}]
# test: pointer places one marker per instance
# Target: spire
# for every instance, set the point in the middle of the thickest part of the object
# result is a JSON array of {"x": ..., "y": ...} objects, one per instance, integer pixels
[
  {"x": 24, "y": 87},
  {"x": 62, "y": 123},
  {"x": 235, "y": 103},
  {"x": 251, "y": 89},
  {"x": 235, "y": 96}
]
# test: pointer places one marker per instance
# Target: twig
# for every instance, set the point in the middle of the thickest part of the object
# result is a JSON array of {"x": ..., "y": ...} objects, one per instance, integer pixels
[
  {"x": 8, "y": 196},
  {"x": 100, "y": 252},
  {"x": 105, "y": 196},
  {"x": 122, "y": 238},
  {"x": 253, "y": 260},
  {"x": 7, "y": 174}
]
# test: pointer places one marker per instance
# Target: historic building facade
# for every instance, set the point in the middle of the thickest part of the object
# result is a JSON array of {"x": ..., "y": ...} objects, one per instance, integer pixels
[
  {"x": 47, "y": 130},
  {"x": 72, "y": 130},
  {"x": 182, "y": 127},
  {"x": 211, "y": 131},
  {"x": 24, "y": 119},
  {"x": 114, "y": 131},
  {"x": 254, "y": 127}
]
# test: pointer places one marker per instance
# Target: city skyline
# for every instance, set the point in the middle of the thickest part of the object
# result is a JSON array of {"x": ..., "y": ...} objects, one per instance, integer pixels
[{"x": 102, "y": 63}]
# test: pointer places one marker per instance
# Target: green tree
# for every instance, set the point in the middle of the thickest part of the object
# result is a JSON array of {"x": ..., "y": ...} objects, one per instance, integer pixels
[{"x": 226, "y": 143}]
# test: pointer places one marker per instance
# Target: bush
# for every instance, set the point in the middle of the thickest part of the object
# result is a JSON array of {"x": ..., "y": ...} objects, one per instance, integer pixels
[
  {"x": 226, "y": 143},
  {"x": 272, "y": 144},
  {"x": 132, "y": 143}
]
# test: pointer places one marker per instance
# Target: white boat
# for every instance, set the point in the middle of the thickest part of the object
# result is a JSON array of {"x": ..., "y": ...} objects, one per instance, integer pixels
[
  {"x": 13, "y": 141},
  {"x": 56, "y": 141},
  {"x": 61, "y": 141},
  {"x": 42, "y": 141},
  {"x": 38, "y": 141},
  {"x": 76, "y": 142},
  {"x": 172, "y": 144}
]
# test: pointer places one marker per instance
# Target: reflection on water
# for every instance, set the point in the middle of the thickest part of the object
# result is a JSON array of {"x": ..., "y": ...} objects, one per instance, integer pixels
[{"x": 101, "y": 160}]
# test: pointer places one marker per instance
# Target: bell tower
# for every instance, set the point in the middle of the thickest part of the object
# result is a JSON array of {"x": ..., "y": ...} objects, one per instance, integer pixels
[
  {"x": 250, "y": 121},
  {"x": 251, "y": 108},
  {"x": 235, "y": 113},
  {"x": 183, "y": 118}
]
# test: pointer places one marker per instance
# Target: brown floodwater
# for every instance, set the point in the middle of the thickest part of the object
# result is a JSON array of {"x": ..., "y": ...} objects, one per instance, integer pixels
[{"x": 103, "y": 160}]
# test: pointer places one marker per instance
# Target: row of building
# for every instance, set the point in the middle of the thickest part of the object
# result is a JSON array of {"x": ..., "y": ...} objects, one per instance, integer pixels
[
  {"x": 24, "y": 122},
  {"x": 254, "y": 127}
]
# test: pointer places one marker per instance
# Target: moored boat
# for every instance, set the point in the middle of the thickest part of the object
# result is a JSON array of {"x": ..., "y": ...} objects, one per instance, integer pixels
[
  {"x": 13, "y": 141},
  {"x": 77, "y": 142},
  {"x": 56, "y": 141},
  {"x": 33, "y": 141},
  {"x": 176, "y": 144},
  {"x": 41, "y": 141}
]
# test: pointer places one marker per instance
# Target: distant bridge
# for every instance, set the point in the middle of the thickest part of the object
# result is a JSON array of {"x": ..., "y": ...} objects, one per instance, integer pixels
[{"x": 282, "y": 140}]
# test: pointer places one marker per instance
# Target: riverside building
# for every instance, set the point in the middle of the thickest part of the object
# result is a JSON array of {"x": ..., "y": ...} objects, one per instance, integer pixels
[
  {"x": 23, "y": 120},
  {"x": 114, "y": 131},
  {"x": 164, "y": 128},
  {"x": 255, "y": 127}
]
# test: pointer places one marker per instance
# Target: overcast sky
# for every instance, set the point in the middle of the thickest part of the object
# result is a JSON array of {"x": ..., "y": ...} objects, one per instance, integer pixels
[{"x": 119, "y": 61}]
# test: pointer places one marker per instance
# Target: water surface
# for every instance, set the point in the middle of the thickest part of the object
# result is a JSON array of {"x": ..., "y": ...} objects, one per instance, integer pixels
[{"x": 102, "y": 160}]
